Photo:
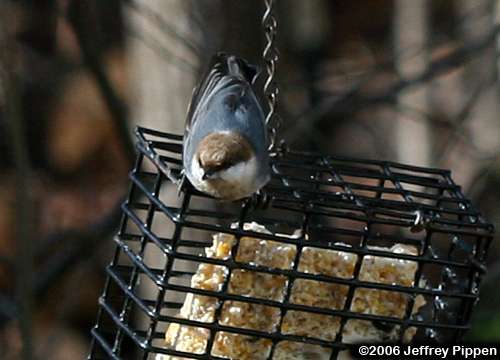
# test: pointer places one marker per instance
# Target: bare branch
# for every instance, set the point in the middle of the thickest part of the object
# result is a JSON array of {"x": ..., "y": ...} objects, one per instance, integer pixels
[{"x": 353, "y": 101}]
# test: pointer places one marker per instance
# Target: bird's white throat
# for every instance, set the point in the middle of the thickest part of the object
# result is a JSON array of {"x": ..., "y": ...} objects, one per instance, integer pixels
[{"x": 235, "y": 182}]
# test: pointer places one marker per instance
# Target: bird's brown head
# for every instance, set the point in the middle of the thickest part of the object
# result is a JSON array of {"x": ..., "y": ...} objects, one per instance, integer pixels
[{"x": 220, "y": 151}]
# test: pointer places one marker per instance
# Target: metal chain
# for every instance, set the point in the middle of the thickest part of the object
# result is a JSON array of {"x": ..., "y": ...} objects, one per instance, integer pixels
[{"x": 271, "y": 57}]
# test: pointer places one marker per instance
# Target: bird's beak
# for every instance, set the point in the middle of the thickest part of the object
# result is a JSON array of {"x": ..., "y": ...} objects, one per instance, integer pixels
[{"x": 207, "y": 175}]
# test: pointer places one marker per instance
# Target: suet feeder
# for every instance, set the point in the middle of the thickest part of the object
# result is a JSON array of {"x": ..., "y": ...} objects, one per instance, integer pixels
[{"x": 343, "y": 250}]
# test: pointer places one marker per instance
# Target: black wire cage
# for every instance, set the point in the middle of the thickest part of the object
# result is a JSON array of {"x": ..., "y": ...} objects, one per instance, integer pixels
[{"x": 341, "y": 251}]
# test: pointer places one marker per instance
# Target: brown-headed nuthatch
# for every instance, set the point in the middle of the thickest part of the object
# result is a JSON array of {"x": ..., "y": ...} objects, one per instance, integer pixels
[{"x": 225, "y": 144}]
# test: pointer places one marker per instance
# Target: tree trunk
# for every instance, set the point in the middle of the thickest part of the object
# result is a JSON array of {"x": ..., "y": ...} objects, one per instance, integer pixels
[
  {"x": 163, "y": 86},
  {"x": 413, "y": 138}
]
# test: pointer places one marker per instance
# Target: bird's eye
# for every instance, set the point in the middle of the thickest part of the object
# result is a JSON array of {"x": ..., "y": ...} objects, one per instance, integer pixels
[{"x": 232, "y": 102}]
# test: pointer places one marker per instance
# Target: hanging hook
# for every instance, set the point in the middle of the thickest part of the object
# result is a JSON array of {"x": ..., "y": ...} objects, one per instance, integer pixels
[{"x": 270, "y": 56}]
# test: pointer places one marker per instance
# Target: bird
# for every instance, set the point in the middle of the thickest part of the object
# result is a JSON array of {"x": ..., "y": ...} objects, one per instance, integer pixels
[{"x": 225, "y": 148}]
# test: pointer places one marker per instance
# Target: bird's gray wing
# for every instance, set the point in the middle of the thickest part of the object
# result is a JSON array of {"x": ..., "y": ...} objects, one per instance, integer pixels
[
  {"x": 223, "y": 71},
  {"x": 202, "y": 93},
  {"x": 190, "y": 111}
]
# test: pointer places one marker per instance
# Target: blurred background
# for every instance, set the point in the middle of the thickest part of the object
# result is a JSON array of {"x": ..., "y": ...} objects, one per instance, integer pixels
[{"x": 404, "y": 80}]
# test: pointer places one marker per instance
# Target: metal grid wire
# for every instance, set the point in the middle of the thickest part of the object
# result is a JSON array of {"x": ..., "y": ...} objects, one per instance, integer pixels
[{"x": 342, "y": 204}]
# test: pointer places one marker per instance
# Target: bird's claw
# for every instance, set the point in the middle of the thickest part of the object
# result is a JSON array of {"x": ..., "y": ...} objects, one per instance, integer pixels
[{"x": 260, "y": 200}]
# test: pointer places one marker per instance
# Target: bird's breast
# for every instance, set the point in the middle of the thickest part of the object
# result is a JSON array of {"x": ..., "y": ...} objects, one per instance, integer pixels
[{"x": 236, "y": 182}]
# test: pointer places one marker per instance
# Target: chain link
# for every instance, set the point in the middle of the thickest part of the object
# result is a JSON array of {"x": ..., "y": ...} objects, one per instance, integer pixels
[{"x": 271, "y": 57}]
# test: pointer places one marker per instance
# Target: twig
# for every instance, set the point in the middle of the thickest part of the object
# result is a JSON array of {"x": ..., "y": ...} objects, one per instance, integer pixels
[
  {"x": 161, "y": 50},
  {"x": 477, "y": 183},
  {"x": 75, "y": 247},
  {"x": 460, "y": 122},
  {"x": 81, "y": 245}
]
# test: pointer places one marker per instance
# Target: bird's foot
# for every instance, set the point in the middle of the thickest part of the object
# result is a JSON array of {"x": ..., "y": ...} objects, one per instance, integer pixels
[{"x": 260, "y": 199}]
